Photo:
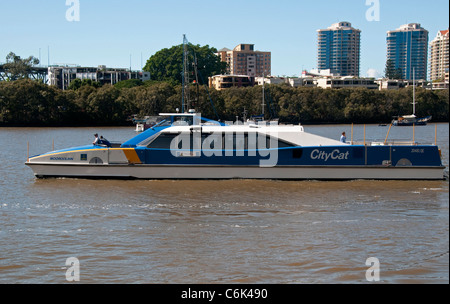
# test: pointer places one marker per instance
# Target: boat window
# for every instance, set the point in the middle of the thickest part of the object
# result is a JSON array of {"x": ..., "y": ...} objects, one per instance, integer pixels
[
  {"x": 212, "y": 141},
  {"x": 146, "y": 141},
  {"x": 183, "y": 120},
  {"x": 249, "y": 141},
  {"x": 177, "y": 121},
  {"x": 165, "y": 123},
  {"x": 210, "y": 122},
  {"x": 228, "y": 141},
  {"x": 284, "y": 144},
  {"x": 241, "y": 141},
  {"x": 162, "y": 141}
]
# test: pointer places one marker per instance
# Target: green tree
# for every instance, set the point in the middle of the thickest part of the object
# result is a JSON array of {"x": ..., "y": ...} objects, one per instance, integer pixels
[
  {"x": 105, "y": 107},
  {"x": 391, "y": 72},
  {"x": 167, "y": 64},
  {"x": 78, "y": 83},
  {"x": 153, "y": 99},
  {"x": 129, "y": 83},
  {"x": 17, "y": 67},
  {"x": 28, "y": 102}
]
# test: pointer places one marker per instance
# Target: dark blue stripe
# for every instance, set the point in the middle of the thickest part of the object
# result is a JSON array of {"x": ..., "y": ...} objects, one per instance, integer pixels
[{"x": 307, "y": 156}]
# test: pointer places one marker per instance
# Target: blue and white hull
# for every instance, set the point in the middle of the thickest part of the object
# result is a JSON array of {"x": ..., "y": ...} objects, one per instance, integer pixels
[
  {"x": 233, "y": 172},
  {"x": 208, "y": 151}
]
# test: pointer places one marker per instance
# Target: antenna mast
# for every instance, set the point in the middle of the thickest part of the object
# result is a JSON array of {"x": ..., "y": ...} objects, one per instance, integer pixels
[
  {"x": 414, "y": 91},
  {"x": 263, "y": 106},
  {"x": 185, "y": 77}
]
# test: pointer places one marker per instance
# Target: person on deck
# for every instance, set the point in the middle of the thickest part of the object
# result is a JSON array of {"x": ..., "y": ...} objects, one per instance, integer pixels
[
  {"x": 343, "y": 138},
  {"x": 96, "y": 139},
  {"x": 104, "y": 141}
]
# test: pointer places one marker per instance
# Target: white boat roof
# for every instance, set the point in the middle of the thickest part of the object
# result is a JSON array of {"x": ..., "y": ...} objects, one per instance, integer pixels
[
  {"x": 409, "y": 116},
  {"x": 289, "y": 133},
  {"x": 294, "y": 134},
  {"x": 178, "y": 114}
]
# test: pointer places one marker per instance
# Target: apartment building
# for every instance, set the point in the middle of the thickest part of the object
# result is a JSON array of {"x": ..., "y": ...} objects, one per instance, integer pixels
[
  {"x": 244, "y": 60},
  {"x": 221, "y": 82},
  {"x": 346, "y": 83},
  {"x": 439, "y": 52},
  {"x": 339, "y": 48},
  {"x": 407, "y": 48}
]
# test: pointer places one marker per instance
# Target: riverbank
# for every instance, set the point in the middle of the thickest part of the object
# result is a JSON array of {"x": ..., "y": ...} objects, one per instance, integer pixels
[{"x": 30, "y": 103}]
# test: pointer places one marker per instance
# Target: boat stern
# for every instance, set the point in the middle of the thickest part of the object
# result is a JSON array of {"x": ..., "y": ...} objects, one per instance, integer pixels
[{"x": 81, "y": 161}]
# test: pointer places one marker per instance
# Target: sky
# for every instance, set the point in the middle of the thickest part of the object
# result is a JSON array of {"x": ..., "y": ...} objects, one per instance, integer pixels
[{"x": 124, "y": 33}]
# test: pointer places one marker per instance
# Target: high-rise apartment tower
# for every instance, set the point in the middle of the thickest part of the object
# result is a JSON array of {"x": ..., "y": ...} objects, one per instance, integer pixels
[
  {"x": 339, "y": 48},
  {"x": 439, "y": 63},
  {"x": 407, "y": 49}
]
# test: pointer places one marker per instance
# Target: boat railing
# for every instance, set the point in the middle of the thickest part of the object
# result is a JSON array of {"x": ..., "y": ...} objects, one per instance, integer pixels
[{"x": 389, "y": 143}]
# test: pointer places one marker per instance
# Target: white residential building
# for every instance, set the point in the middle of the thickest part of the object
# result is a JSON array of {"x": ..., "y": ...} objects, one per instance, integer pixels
[{"x": 439, "y": 57}]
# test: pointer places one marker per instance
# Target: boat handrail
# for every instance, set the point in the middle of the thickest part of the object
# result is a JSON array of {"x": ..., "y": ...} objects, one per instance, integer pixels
[{"x": 389, "y": 143}]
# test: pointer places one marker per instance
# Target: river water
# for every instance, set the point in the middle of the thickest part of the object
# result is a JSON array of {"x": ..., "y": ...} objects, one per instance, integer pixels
[{"x": 237, "y": 231}]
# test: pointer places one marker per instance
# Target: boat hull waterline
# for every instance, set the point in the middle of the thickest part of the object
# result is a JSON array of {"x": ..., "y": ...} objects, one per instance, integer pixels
[{"x": 231, "y": 172}]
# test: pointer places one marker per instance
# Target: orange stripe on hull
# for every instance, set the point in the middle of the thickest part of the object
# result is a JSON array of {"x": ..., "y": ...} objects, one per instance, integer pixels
[{"x": 132, "y": 156}]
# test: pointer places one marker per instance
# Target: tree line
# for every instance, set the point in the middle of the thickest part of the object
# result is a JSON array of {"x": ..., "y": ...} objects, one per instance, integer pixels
[{"x": 27, "y": 102}]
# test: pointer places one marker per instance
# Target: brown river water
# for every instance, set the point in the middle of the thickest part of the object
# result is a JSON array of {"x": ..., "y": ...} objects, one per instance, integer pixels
[{"x": 231, "y": 231}]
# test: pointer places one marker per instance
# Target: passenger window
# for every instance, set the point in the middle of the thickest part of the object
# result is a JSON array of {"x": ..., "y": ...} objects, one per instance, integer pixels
[{"x": 162, "y": 141}]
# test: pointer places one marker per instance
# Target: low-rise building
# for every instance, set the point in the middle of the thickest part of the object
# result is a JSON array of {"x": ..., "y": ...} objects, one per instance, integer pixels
[
  {"x": 220, "y": 82},
  {"x": 245, "y": 60},
  {"x": 395, "y": 84},
  {"x": 62, "y": 76},
  {"x": 390, "y": 84},
  {"x": 442, "y": 85},
  {"x": 291, "y": 81},
  {"x": 269, "y": 80},
  {"x": 346, "y": 82}
]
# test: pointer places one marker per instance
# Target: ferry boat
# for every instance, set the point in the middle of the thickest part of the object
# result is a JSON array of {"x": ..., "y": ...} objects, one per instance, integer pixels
[{"x": 188, "y": 146}]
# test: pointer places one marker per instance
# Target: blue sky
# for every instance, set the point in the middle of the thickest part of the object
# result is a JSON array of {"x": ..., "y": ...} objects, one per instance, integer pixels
[{"x": 110, "y": 31}]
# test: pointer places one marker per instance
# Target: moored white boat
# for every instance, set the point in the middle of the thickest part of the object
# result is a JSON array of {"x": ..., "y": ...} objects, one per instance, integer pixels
[{"x": 411, "y": 120}]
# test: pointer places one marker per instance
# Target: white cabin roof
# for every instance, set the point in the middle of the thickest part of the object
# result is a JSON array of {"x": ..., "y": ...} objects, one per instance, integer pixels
[{"x": 289, "y": 133}]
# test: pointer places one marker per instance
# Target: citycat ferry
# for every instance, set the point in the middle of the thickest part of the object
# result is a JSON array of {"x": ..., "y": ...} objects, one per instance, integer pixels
[{"x": 187, "y": 146}]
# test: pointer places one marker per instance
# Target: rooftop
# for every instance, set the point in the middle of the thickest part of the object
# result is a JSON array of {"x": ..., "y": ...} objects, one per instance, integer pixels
[
  {"x": 409, "y": 27},
  {"x": 343, "y": 25}
]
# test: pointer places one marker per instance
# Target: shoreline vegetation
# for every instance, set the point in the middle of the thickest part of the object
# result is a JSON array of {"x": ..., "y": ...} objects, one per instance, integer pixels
[{"x": 29, "y": 103}]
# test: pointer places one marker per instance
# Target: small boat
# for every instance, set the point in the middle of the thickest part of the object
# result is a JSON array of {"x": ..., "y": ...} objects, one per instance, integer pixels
[{"x": 411, "y": 120}]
